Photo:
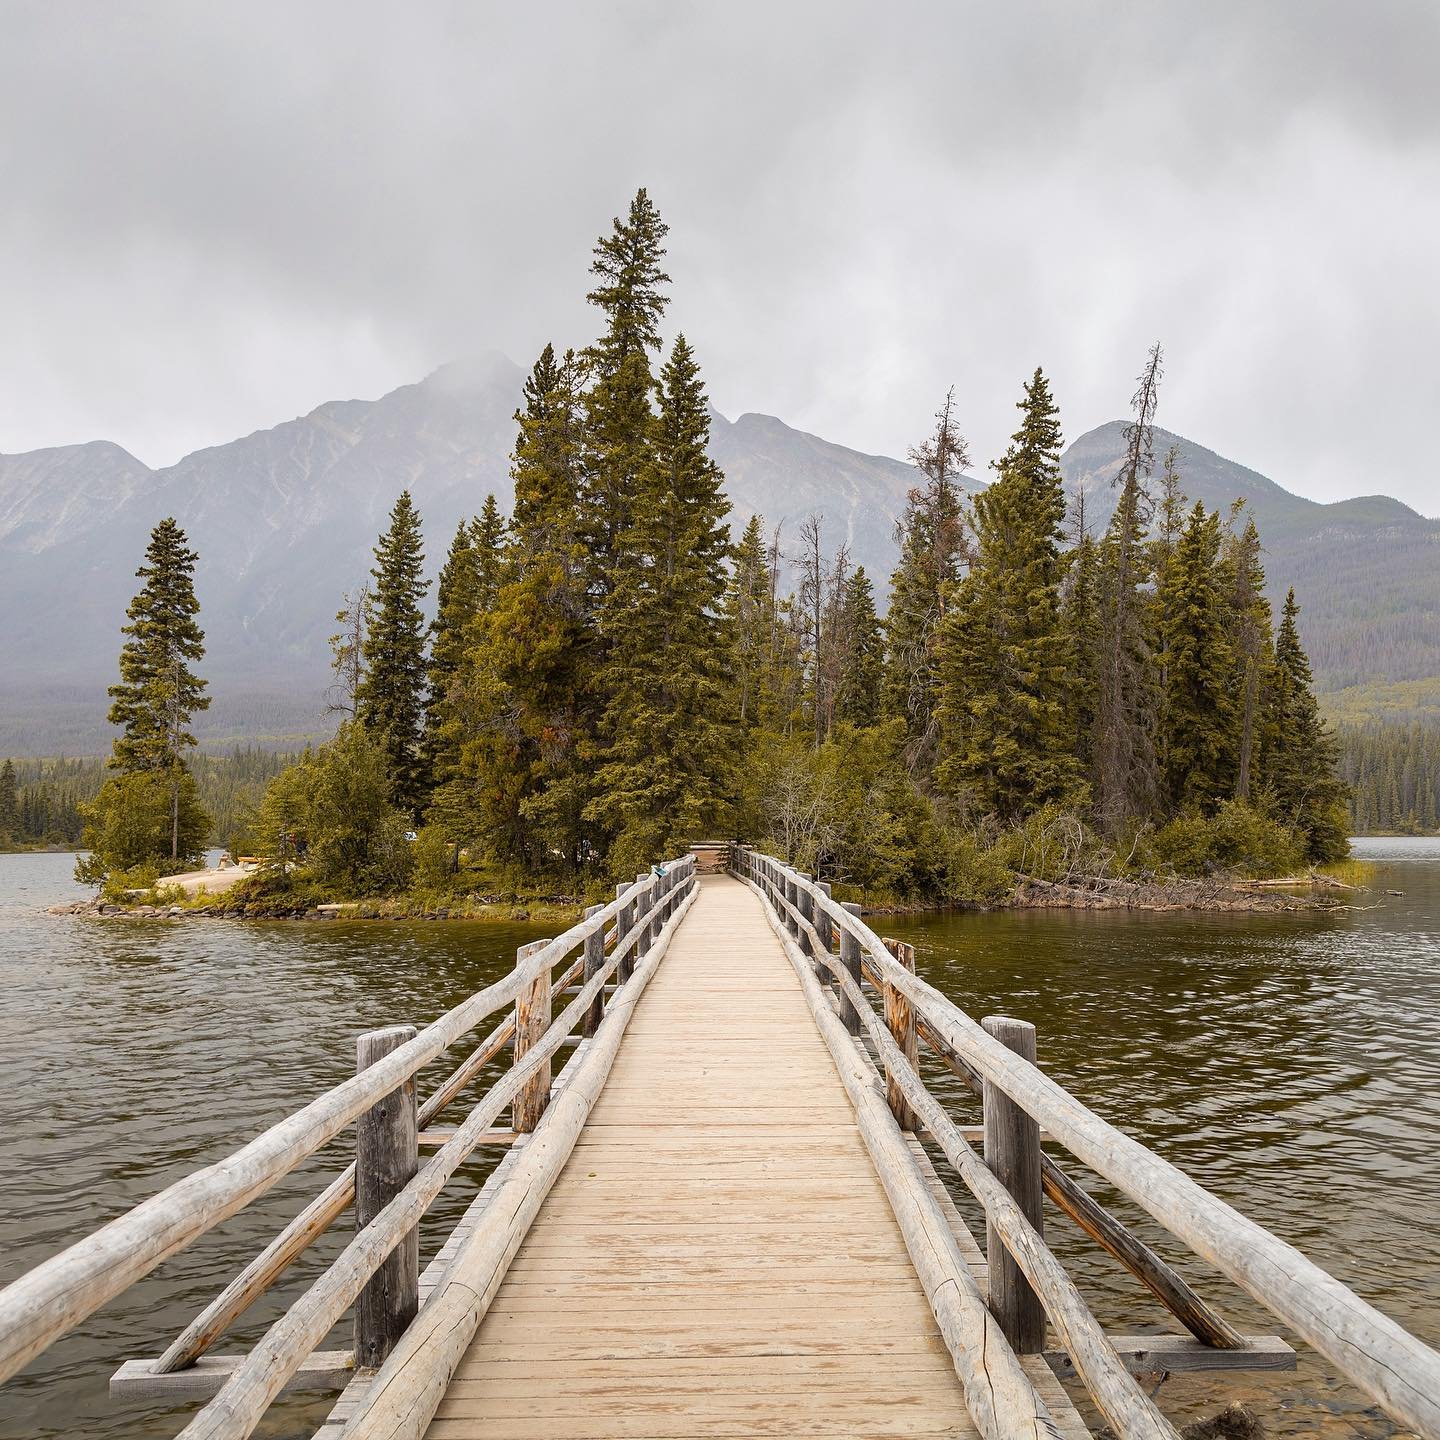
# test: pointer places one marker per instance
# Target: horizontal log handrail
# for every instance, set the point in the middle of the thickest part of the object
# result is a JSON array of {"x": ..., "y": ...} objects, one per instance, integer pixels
[
  {"x": 243, "y": 1400},
  {"x": 1399, "y": 1371},
  {"x": 50, "y": 1300},
  {"x": 1119, "y": 1399},
  {"x": 257, "y": 1278}
]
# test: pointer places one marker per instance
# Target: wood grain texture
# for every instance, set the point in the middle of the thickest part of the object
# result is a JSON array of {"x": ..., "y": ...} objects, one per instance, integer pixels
[
  {"x": 717, "y": 1257},
  {"x": 387, "y": 1155}
]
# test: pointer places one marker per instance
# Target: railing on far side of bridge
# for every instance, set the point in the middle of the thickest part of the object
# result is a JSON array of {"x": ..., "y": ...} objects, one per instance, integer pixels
[
  {"x": 831, "y": 946},
  {"x": 377, "y": 1272}
]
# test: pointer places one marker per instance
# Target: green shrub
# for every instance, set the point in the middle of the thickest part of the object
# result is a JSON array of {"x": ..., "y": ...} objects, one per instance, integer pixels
[
  {"x": 975, "y": 873},
  {"x": 1238, "y": 839},
  {"x": 330, "y": 813},
  {"x": 128, "y": 827}
]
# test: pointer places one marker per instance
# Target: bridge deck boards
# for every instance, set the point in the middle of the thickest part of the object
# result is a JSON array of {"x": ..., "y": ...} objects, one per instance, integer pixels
[{"x": 718, "y": 1257}]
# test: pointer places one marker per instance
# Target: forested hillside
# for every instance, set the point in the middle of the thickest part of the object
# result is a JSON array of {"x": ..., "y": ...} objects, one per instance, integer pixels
[{"x": 1394, "y": 774}]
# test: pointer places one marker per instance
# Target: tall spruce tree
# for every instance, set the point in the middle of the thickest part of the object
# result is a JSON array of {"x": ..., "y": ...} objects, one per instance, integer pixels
[
  {"x": 488, "y": 538},
  {"x": 9, "y": 804},
  {"x": 619, "y": 414},
  {"x": 1080, "y": 610},
  {"x": 1300, "y": 768},
  {"x": 457, "y": 605},
  {"x": 1005, "y": 655},
  {"x": 159, "y": 691},
  {"x": 1198, "y": 733},
  {"x": 668, "y": 753},
  {"x": 1125, "y": 775},
  {"x": 391, "y": 700},
  {"x": 859, "y": 697},
  {"x": 934, "y": 547},
  {"x": 748, "y": 620},
  {"x": 527, "y": 688},
  {"x": 1250, "y": 627}
]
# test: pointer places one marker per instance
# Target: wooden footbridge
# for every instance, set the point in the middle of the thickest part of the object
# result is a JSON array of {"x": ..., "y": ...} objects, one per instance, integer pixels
[{"x": 721, "y": 1217}]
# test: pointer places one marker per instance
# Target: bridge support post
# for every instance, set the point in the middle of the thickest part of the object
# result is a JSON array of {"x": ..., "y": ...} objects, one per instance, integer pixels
[
  {"x": 532, "y": 1020},
  {"x": 594, "y": 962},
  {"x": 822, "y": 929},
  {"x": 900, "y": 1018},
  {"x": 792, "y": 899},
  {"x": 805, "y": 903},
  {"x": 642, "y": 907},
  {"x": 850, "y": 961},
  {"x": 387, "y": 1155},
  {"x": 1012, "y": 1151},
  {"x": 624, "y": 919}
]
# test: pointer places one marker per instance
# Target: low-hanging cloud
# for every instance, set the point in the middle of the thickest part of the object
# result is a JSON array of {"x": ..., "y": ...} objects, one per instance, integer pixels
[{"x": 217, "y": 216}]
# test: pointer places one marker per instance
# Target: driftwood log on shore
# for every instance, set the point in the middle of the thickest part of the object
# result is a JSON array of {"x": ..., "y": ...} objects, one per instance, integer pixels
[{"x": 1107, "y": 893}]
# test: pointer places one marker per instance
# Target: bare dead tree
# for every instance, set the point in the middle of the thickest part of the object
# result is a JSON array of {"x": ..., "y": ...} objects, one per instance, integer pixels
[{"x": 347, "y": 652}]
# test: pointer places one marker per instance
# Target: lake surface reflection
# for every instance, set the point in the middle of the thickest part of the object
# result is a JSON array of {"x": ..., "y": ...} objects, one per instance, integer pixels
[{"x": 1290, "y": 1064}]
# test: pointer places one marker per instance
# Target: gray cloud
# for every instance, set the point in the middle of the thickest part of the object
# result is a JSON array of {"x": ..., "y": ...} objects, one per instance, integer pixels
[{"x": 218, "y": 216}]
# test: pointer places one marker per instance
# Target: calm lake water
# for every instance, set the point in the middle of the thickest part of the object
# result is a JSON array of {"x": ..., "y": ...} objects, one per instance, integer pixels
[{"x": 1290, "y": 1064}]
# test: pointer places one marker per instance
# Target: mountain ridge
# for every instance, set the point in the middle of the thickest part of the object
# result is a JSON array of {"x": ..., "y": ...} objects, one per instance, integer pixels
[{"x": 284, "y": 519}]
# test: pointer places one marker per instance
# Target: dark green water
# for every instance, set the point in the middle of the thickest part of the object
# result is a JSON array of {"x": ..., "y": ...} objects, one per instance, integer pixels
[{"x": 1291, "y": 1065}]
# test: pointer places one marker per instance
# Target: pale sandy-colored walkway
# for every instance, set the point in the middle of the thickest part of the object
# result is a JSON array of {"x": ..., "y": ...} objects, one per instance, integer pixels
[{"x": 718, "y": 1258}]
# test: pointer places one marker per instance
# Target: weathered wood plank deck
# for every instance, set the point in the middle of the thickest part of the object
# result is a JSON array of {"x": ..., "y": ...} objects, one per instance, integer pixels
[{"x": 718, "y": 1257}]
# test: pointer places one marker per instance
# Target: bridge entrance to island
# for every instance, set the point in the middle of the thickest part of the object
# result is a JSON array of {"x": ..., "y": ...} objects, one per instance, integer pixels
[{"x": 728, "y": 1213}]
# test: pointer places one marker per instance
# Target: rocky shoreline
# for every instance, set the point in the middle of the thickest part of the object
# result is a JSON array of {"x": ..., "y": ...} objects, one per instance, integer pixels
[
  {"x": 1091, "y": 893},
  {"x": 496, "y": 908}
]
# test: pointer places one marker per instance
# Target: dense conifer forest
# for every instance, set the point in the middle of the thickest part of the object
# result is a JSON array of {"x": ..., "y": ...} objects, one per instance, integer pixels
[
  {"x": 607, "y": 674},
  {"x": 1394, "y": 776},
  {"x": 50, "y": 796}
]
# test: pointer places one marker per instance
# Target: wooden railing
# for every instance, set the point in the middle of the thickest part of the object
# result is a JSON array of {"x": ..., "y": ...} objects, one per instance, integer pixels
[
  {"x": 619, "y": 945},
  {"x": 844, "y": 968}
]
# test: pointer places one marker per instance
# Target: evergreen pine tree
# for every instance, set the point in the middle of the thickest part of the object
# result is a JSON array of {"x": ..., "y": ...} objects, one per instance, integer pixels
[
  {"x": 159, "y": 692},
  {"x": 1125, "y": 777},
  {"x": 858, "y": 701},
  {"x": 1199, "y": 728},
  {"x": 1080, "y": 612},
  {"x": 627, "y": 269},
  {"x": 1250, "y": 629},
  {"x": 1300, "y": 768},
  {"x": 457, "y": 605},
  {"x": 391, "y": 700},
  {"x": 487, "y": 547},
  {"x": 526, "y": 690},
  {"x": 1005, "y": 655},
  {"x": 932, "y": 539},
  {"x": 9, "y": 804},
  {"x": 748, "y": 620},
  {"x": 667, "y": 755}
]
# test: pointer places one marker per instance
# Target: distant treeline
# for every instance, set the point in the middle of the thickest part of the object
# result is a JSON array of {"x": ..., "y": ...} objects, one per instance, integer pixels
[
  {"x": 1394, "y": 777},
  {"x": 48, "y": 794}
]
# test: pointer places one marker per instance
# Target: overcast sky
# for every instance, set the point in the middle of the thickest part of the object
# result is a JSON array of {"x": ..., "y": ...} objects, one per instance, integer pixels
[{"x": 216, "y": 216}]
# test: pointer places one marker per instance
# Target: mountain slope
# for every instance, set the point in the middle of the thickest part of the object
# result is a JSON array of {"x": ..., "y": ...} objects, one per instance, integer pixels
[
  {"x": 284, "y": 521},
  {"x": 1366, "y": 571}
]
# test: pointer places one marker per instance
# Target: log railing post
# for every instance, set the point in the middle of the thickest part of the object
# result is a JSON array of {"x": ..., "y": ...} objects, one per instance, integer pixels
[
  {"x": 900, "y": 1019},
  {"x": 805, "y": 903},
  {"x": 594, "y": 963},
  {"x": 1012, "y": 1151},
  {"x": 624, "y": 918},
  {"x": 643, "y": 901},
  {"x": 850, "y": 961},
  {"x": 387, "y": 1155},
  {"x": 822, "y": 928},
  {"x": 532, "y": 1020},
  {"x": 791, "y": 900}
]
